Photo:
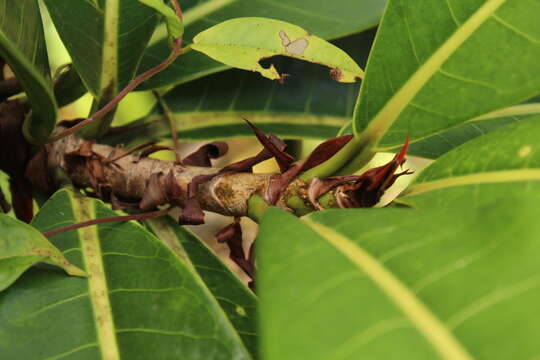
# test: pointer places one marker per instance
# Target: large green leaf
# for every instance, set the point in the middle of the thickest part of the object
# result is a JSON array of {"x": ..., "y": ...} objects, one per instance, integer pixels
[
  {"x": 309, "y": 104},
  {"x": 238, "y": 302},
  {"x": 105, "y": 40},
  {"x": 22, "y": 46},
  {"x": 436, "y": 64},
  {"x": 324, "y": 19},
  {"x": 22, "y": 246},
  {"x": 503, "y": 162},
  {"x": 138, "y": 302},
  {"x": 439, "y": 143},
  {"x": 457, "y": 283}
]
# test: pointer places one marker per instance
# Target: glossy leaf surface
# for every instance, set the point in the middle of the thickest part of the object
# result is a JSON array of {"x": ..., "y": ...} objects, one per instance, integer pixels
[
  {"x": 401, "y": 283},
  {"x": 105, "y": 39},
  {"x": 476, "y": 170},
  {"x": 436, "y": 64},
  {"x": 139, "y": 301},
  {"x": 236, "y": 300},
  {"x": 22, "y": 46},
  {"x": 437, "y": 144}
]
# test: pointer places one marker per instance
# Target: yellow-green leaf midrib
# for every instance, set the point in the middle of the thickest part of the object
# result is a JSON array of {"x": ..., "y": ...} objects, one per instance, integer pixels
[
  {"x": 427, "y": 323},
  {"x": 109, "y": 65},
  {"x": 491, "y": 177},
  {"x": 391, "y": 111},
  {"x": 84, "y": 210}
]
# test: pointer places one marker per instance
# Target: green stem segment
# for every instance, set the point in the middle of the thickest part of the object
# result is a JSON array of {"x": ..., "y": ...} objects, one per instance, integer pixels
[
  {"x": 351, "y": 158},
  {"x": 256, "y": 208}
]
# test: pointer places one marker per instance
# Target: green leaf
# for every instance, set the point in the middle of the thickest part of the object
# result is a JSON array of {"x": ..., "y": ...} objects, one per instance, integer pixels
[
  {"x": 307, "y": 105},
  {"x": 21, "y": 247},
  {"x": 68, "y": 87},
  {"x": 437, "y": 144},
  {"x": 397, "y": 283},
  {"x": 138, "y": 302},
  {"x": 329, "y": 20},
  {"x": 501, "y": 163},
  {"x": 22, "y": 46},
  {"x": 105, "y": 40},
  {"x": 436, "y": 64},
  {"x": 243, "y": 42},
  {"x": 237, "y": 301},
  {"x": 175, "y": 29}
]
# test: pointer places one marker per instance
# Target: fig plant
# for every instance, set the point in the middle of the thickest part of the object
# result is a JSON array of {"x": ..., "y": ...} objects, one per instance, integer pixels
[{"x": 95, "y": 260}]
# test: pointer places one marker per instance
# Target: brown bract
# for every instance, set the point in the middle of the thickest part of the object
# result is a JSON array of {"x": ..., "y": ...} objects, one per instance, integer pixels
[
  {"x": 203, "y": 155},
  {"x": 320, "y": 154},
  {"x": 360, "y": 191},
  {"x": 232, "y": 236}
]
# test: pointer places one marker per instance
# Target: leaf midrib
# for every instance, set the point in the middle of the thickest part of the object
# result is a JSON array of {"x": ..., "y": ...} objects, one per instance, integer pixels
[
  {"x": 109, "y": 59},
  {"x": 492, "y": 177},
  {"x": 384, "y": 119},
  {"x": 435, "y": 332},
  {"x": 98, "y": 289},
  {"x": 516, "y": 110}
]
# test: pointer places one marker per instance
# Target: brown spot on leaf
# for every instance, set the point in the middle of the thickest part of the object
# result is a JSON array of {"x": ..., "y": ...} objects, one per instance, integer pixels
[{"x": 336, "y": 74}]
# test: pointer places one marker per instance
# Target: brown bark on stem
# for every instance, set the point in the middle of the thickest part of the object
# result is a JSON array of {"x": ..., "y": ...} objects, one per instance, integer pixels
[
  {"x": 129, "y": 178},
  {"x": 135, "y": 180}
]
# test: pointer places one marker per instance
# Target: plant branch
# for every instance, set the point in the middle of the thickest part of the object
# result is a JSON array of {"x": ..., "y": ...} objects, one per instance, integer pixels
[
  {"x": 119, "y": 176},
  {"x": 143, "y": 180}
]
